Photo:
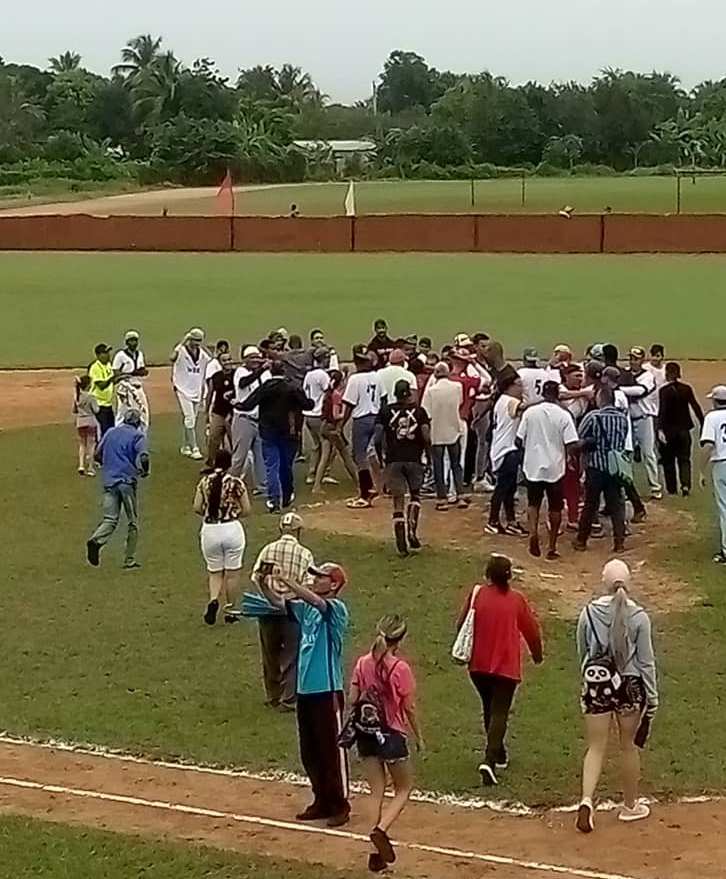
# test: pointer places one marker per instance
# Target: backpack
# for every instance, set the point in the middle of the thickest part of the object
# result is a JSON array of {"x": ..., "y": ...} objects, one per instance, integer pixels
[
  {"x": 367, "y": 718},
  {"x": 600, "y": 676}
]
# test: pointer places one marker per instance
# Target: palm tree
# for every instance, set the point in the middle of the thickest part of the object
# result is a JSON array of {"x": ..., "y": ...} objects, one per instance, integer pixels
[
  {"x": 298, "y": 87},
  {"x": 65, "y": 63},
  {"x": 138, "y": 54},
  {"x": 155, "y": 89}
]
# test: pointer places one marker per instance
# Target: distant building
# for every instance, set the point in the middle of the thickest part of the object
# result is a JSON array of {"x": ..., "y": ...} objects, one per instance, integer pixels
[{"x": 342, "y": 151}]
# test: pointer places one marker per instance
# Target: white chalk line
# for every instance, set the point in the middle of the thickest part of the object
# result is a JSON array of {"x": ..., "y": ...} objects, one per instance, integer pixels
[
  {"x": 433, "y": 798},
  {"x": 199, "y": 811}
]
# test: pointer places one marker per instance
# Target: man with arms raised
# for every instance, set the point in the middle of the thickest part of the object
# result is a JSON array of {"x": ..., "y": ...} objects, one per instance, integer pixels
[{"x": 189, "y": 368}]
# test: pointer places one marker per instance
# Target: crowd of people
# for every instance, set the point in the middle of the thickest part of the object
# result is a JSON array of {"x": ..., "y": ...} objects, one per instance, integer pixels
[{"x": 411, "y": 423}]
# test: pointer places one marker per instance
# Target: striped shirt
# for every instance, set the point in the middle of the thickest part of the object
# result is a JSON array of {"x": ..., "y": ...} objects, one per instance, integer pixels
[
  {"x": 603, "y": 430},
  {"x": 291, "y": 557}
]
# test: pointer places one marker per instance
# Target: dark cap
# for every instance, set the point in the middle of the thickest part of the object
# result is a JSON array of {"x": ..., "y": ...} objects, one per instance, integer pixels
[
  {"x": 401, "y": 389},
  {"x": 102, "y": 348}
]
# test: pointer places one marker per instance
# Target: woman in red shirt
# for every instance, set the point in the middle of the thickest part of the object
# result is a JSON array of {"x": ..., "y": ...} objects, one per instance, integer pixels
[
  {"x": 502, "y": 617},
  {"x": 382, "y": 678}
]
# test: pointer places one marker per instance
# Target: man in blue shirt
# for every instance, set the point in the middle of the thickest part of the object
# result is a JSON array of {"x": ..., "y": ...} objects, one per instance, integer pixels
[
  {"x": 123, "y": 456},
  {"x": 323, "y": 620}
]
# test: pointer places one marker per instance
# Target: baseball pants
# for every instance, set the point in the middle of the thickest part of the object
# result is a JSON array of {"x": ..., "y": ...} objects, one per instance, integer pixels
[
  {"x": 190, "y": 414},
  {"x": 246, "y": 440},
  {"x": 644, "y": 435},
  {"x": 719, "y": 491}
]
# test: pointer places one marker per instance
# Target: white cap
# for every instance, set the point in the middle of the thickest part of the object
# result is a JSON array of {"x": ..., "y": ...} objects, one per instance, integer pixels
[
  {"x": 252, "y": 351},
  {"x": 196, "y": 334},
  {"x": 131, "y": 334},
  {"x": 462, "y": 340},
  {"x": 718, "y": 394}
]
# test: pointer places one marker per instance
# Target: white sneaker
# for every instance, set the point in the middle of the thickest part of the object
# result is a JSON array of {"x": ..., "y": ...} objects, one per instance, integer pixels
[
  {"x": 637, "y": 813},
  {"x": 196, "y": 454},
  {"x": 484, "y": 485},
  {"x": 330, "y": 480},
  {"x": 186, "y": 451},
  {"x": 310, "y": 480}
]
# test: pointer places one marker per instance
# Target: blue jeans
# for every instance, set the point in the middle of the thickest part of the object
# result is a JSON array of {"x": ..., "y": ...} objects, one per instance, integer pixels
[
  {"x": 278, "y": 451},
  {"x": 116, "y": 498}
]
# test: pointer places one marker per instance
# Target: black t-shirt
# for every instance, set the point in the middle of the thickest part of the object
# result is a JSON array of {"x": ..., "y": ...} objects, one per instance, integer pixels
[
  {"x": 222, "y": 383},
  {"x": 402, "y": 425},
  {"x": 382, "y": 348}
]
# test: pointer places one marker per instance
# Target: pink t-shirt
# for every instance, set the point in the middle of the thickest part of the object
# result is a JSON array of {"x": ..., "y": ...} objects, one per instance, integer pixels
[{"x": 394, "y": 683}]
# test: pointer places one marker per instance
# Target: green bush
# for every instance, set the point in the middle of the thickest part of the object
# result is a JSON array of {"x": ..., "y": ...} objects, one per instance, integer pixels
[
  {"x": 653, "y": 171},
  {"x": 544, "y": 169},
  {"x": 484, "y": 171},
  {"x": 588, "y": 169}
]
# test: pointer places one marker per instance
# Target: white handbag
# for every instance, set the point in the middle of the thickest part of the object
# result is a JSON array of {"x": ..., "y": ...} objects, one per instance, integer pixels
[{"x": 464, "y": 644}]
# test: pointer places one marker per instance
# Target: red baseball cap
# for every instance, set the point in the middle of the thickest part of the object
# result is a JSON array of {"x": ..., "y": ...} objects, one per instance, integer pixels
[{"x": 336, "y": 574}]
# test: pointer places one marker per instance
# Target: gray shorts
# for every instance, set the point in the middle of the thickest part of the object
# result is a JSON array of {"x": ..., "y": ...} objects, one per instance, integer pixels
[
  {"x": 362, "y": 435},
  {"x": 405, "y": 475}
]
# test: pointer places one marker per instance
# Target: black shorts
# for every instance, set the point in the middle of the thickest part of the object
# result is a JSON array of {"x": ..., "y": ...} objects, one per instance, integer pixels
[
  {"x": 393, "y": 750},
  {"x": 629, "y": 698},
  {"x": 536, "y": 492},
  {"x": 402, "y": 475}
]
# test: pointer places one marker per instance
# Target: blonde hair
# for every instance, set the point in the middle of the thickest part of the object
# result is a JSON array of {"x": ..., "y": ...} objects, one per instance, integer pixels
[
  {"x": 616, "y": 579},
  {"x": 390, "y": 631}
]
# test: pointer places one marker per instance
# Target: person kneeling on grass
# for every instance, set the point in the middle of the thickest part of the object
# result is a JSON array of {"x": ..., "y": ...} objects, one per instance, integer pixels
[
  {"x": 502, "y": 617},
  {"x": 618, "y": 682},
  {"x": 323, "y": 620},
  {"x": 383, "y": 711},
  {"x": 221, "y": 500}
]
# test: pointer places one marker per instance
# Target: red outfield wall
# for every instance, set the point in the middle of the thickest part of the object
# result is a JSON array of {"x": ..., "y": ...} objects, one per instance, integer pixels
[{"x": 487, "y": 233}]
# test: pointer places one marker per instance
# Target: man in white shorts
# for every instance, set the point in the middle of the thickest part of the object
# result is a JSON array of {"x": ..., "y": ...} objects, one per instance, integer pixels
[
  {"x": 129, "y": 368},
  {"x": 188, "y": 371}
]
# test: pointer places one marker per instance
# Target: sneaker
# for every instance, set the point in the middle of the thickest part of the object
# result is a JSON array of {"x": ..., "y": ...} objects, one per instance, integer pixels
[
  {"x": 186, "y": 451},
  {"x": 299, "y": 459},
  {"x": 90, "y": 473},
  {"x": 463, "y": 503},
  {"x": 93, "y": 552},
  {"x": 488, "y": 777},
  {"x": 656, "y": 496},
  {"x": 502, "y": 761},
  {"x": 413, "y": 541},
  {"x": 514, "y": 529},
  {"x": 552, "y": 555},
  {"x": 494, "y": 528},
  {"x": 210, "y": 615},
  {"x": 81, "y": 471},
  {"x": 289, "y": 502},
  {"x": 196, "y": 455},
  {"x": 330, "y": 480},
  {"x": 376, "y": 864},
  {"x": 719, "y": 558},
  {"x": 340, "y": 819},
  {"x": 637, "y": 813},
  {"x": 639, "y": 517},
  {"x": 534, "y": 547},
  {"x": 131, "y": 565},
  {"x": 597, "y": 530},
  {"x": 585, "y": 822},
  {"x": 487, "y": 485},
  {"x": 572, "y": 526},
  {"x": 232, "y": 616},
  {"x": 310, "y": 480},
  {"x": 273, "y": 508},
  {"x": 258, "y": 492},
  {"x": 381, "y": 841},
  {"x": 686, "y": 492},
  {"x": 312, "y": 813}
]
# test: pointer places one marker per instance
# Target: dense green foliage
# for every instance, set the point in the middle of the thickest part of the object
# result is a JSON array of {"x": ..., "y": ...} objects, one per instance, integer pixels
[{"x": 155, "y": 119}]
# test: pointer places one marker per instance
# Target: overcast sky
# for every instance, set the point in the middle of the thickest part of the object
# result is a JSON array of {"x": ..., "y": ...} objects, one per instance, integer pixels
[{"x": 344, "y": 44}]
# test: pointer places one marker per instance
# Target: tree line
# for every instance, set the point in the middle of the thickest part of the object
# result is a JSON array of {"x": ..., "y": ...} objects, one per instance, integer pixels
[{"x": 153, "y": 118}]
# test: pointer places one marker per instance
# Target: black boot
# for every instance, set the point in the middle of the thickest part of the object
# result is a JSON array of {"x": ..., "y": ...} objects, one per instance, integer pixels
[
  {"x": 399, "y": 529},
  {"x": 412, "y": 515}
]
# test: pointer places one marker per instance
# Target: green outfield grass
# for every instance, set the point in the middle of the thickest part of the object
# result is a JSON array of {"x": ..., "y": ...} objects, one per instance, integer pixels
[
  {"x": 57, "y": 306},
  {"x": 33, "y": 848},
  {"x": 123, "y": 658}
]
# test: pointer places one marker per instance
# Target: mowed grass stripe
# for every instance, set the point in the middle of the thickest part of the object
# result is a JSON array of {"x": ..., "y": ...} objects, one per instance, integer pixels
[{"x": 57, "y": 306}]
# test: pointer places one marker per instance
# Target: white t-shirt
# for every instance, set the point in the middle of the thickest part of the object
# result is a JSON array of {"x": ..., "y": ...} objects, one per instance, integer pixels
[
  {"x": 213, "y": 367},
  {"x": 533, "y": 379},
  {"x": 316, "y": 383},
  {"x": 576, "y": 406},
  {"x": 187, "y": 375},
  {"x": 442, "y": 400},
  {"x": 714, "y": 431},
  {"x": 621, "y": 402},
  {"x": 485, "y": 380},
  {"x": 545, "y": 430},
  {"x": 241, "y": 394},
  {"x": 643, "y": 405},
  {"x": 505, "y": 422},
  {"x": 124, "y": 362},
  {"x": 362, "y": 393},
  {"x": 658, "y": 373},
  {"x": 387, "y": 378}
]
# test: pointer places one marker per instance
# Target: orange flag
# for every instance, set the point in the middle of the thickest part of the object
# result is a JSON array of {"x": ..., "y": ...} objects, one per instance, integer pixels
[{"x": 225, "y": 196}]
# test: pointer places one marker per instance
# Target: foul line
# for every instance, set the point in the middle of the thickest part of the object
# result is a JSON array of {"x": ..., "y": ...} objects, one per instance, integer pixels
[{"x": 199, "y": 811}]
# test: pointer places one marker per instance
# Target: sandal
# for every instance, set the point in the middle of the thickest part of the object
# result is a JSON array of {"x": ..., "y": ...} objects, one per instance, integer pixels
[
  {"x": 442, "y": 506},
  {"x": 358, "y": 503}
]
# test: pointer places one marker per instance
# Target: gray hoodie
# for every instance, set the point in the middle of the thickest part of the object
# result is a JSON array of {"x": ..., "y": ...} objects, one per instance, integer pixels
[{"x": 640, "y": 645}]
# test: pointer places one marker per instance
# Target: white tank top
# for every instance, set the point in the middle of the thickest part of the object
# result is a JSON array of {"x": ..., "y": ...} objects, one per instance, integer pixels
[{"x": 504, "y": 433}]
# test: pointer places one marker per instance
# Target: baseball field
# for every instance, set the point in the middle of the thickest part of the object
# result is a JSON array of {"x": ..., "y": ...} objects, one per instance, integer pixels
[
  {"x": 121, "y": 661},
  {"x": 654, "y": 195}
]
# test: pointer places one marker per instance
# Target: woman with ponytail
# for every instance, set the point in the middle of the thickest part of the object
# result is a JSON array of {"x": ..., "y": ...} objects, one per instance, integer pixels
[
  {"x": 221, "y": 500},
  {"x": 383, "y": 685},
  {"x": 618, "y": 682}
]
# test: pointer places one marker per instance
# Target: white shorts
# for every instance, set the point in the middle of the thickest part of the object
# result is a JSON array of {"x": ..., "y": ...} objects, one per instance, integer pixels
[{"x": 223, "y": 546}]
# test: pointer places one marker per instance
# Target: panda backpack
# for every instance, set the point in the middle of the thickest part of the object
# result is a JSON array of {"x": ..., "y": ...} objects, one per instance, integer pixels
[{"x": 600, "y": 676}]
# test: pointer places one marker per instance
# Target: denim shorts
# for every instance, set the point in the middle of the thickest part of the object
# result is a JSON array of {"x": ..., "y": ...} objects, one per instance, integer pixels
[{"x": 393, "y": 750}]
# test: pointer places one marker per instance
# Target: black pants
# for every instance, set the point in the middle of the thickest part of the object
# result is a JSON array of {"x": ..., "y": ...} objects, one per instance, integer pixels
[
  {"x": 598, "y": 483},
  {"x": 437, "y": 455},
  {"x": 496, "y": 694},
  {"x": 506, "y": 487},
  {"x": 472, "y": 444},
  {"x": 319, "y": 721},
  {"x": 106, "y": 419},
  {"x": 677, "y": 450}
]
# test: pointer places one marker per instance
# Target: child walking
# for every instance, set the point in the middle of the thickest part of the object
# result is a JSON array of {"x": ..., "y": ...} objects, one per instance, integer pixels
[{"x": 85, "y": 409}]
